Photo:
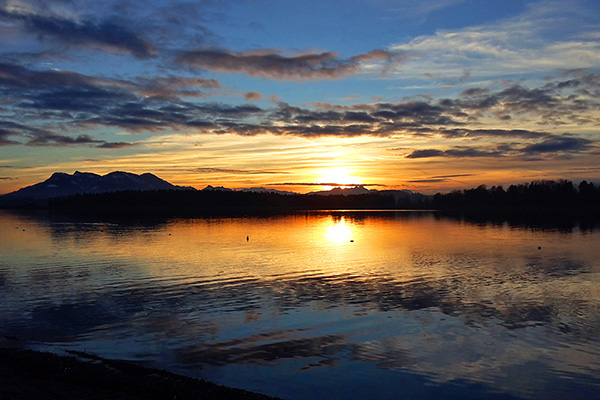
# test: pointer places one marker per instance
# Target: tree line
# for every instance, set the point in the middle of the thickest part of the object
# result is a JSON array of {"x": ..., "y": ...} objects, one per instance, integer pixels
[
  {"x": 216, "y": 202},
  {"x": 543, "y": 195},
  {"x": 537, "y": 195}
]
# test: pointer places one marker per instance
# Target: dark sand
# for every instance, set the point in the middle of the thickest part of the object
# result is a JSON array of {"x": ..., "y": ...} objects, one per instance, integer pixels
[{"x": 28, "y": 375}]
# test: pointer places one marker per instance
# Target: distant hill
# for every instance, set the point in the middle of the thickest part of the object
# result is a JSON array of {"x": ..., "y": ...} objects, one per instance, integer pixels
[
  {"x": 250, "y": 190},
  {"x": 62, "y": 184},
  {"x": 402, "y": 198},
  {"x": 344, "y": 191},
  {"x": 266, "y": 190},
  {"x": 210, "y": 188}
]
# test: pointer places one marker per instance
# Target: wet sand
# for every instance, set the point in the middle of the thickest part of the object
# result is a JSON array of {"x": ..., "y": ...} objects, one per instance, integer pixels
[{"x": 28, "y": 375}]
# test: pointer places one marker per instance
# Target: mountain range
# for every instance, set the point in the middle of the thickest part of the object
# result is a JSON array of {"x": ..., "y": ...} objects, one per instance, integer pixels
[{"x": 63, "y": 184}]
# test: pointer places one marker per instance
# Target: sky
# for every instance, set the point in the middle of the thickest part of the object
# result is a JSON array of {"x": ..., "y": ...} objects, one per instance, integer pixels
[{"x": 430, "y": 95}]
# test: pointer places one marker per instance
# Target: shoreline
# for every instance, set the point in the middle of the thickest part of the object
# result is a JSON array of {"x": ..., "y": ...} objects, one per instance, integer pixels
[{"x": 30, "y": 374}]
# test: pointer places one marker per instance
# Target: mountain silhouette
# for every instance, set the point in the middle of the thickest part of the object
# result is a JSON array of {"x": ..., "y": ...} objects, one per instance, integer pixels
[
  {"x": 344, "y": 191},
  {"x": 61, "y": 184}
]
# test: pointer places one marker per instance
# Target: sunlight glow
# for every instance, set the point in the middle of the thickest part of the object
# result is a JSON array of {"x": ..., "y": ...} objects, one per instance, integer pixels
[
  {"x": 338, "y": 232},
  {"x": 339, "y": 176}
]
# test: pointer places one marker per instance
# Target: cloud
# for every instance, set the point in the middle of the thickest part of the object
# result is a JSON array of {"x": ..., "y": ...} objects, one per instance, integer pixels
[
  {"x": 16, "y": 130},
  {"x": 451, "y": 176},
  {"x": 208, "y": 170},
  {"x": 62, "y": 100},
  {"x": 7, "y": 178},
  {"x": 252, "y": 96},
  {"x": 115, "y": 145},
  {"x": 175, "y": 86},
  {"x": 15, "y": 75},
  {"x": 433, "y": 180},
  {"x": 425, "y": 153},
  {"x": 475, "y": 92},
  {"x": 38, "y": 137},
  {"x": 524, "y": 44},
  {"x": 500, "y": 133},
  {"x": 107, "y": 34},
  {"x": 271, "y": 64},
  {"x": 458, "y": 152},
  {"x": 50, "y": 139},
  {"x": 558, "y": 145},
  {"x": 375, "y": 55},
  {"x": 4, "y": 137}
]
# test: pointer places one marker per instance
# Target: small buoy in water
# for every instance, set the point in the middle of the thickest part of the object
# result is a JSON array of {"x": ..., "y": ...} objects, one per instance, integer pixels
[
  {"x": 539, "y": 247},
  {"x": 351, "y": 240},
  {"x": 247, "y": 238}
]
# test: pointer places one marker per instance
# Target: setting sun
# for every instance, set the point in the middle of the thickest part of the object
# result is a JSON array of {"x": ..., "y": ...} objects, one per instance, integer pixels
[{"x": 338, "y": 176}]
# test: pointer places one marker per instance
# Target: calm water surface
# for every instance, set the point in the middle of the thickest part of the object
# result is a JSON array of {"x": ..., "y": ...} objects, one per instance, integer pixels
[{"x": 324, "y": 305}]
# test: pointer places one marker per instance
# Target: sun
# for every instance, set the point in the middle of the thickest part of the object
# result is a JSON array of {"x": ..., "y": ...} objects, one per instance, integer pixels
[{"x": 338, "y": 176}]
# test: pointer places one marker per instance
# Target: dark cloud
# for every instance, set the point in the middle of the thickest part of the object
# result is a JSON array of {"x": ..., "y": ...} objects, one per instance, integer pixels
[
  {"x": 425, "y": 153},
  {"x": 16, "y": 130},
  {"x": 107, "y": 35},
  {"x": 471, "y": 152},
  {"x": 558, "y": 144},
  {"x": 269, "y": 64},
  {"x": 434, "y": 180},
  {"x": 560, "y": 101},
  {"x": 383, "y": 119},
  {"x": 54, "y": 140},
  {"x": 64, "y": 100},
  {"x": 502, "y": 133},
  {"x": 50, "y": 139},
  {"x": 15, "y": 75},
  {"x": 515, "y": 98},
  {"x": 520, "y": 98},
  {"x": 4, "y": 137},
  {"x": 74, "y": 99},
  {"x": 352, "y": 116},
  {"x": 475, "y": 92},
  {"x": 272, "y": 64},
  {"x": 564, "y": 144},
  {"x": 7, "y": 178},
  {"x": 451, "y": 176},
  {"x": 463, "y": 152},
  {"x": 36, "y": 137},
  {"x": 115, "y": 145},
  {"x": 173, "y": 86}
]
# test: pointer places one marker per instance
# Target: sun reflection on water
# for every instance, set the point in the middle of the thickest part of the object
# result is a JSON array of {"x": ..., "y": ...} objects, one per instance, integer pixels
[{"x": 338, "y": 231}]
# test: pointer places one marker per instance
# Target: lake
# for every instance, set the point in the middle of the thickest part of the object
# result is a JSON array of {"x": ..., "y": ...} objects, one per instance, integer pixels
[{"x": 352, "y": 305}]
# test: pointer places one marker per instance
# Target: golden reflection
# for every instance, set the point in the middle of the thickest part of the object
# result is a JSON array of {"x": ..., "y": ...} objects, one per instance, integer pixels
[{"x": 338, "y": 232}]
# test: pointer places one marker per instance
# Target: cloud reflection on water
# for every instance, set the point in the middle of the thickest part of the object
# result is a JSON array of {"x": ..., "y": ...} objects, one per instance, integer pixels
[{"x": 443, "y": 299}]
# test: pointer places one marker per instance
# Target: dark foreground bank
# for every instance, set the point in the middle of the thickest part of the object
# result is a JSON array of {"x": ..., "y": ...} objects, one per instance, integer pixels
[{"x": 28, "y": 374}]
